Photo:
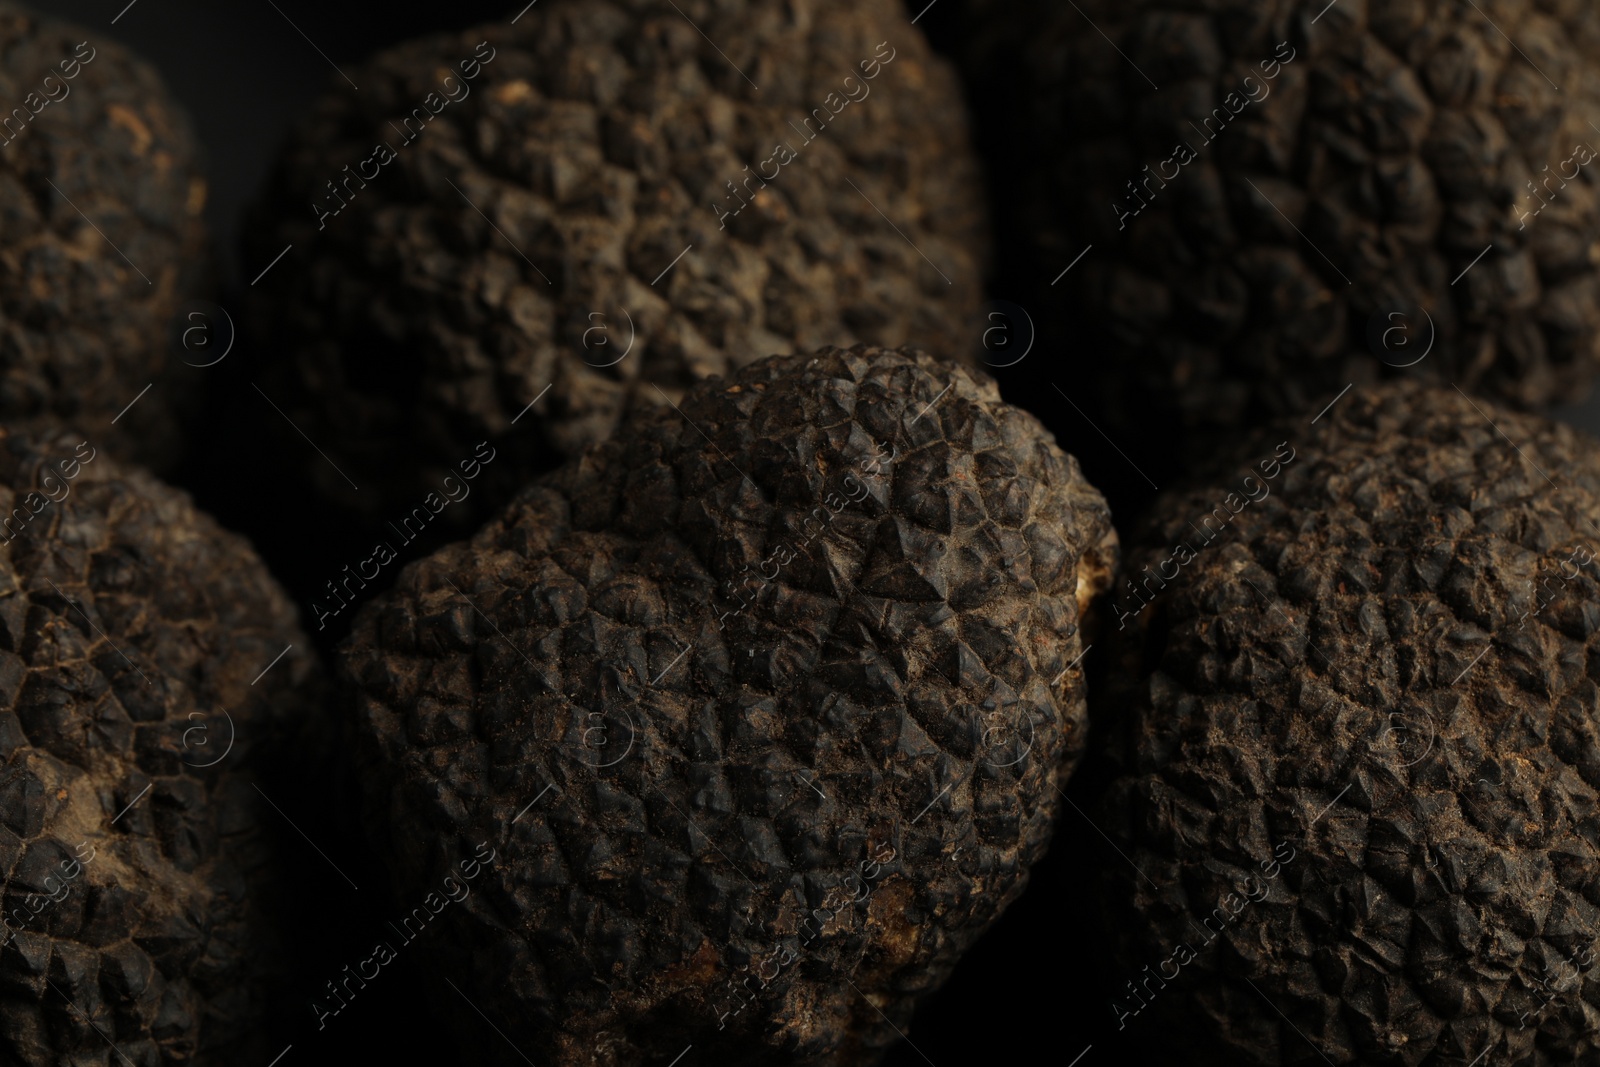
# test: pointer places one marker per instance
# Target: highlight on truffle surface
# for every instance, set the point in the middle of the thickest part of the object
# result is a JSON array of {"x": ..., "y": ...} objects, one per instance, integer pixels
[
  {"x": 1358, "y": 747},
  {"x": 747, "y": 723}
]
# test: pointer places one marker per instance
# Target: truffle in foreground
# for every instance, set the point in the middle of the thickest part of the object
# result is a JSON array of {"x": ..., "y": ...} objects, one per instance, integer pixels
[{"x": 758, "y": 712}]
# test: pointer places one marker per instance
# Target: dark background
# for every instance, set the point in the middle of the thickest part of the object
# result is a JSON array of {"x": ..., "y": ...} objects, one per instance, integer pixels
[{"x": 245, "y": 71}]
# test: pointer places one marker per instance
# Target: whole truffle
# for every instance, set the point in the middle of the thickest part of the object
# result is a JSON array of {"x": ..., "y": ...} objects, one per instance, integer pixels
[
  {"x": 1273, "y": 200},
  {"x": 133, "y": 636},
  {"x": 592, "y": 208},
  {"x": 100, "y": 203},
  {"x": 761, "y": 708},
  {"x": 1359, "y": 745}
]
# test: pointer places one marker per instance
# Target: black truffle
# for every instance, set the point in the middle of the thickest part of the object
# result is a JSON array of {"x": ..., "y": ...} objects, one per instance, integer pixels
[
  {"x": 133, "y": 637},
  {"x": 761, "y": 707},
  {"x": 100, "y": 203},
  {"x": 1312, "y": 197},
  {"x": 1360, "y": 748},
  {"x": 591, "y": 209}
]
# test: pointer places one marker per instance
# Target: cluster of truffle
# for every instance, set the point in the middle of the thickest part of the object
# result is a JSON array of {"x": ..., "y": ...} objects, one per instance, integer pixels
[{"x": 753, "y": 692}]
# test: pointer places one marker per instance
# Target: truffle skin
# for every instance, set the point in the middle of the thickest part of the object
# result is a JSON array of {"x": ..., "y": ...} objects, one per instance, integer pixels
[
  {"x": 1361, "y": 739},
  {"x": 765, "y": 831},
  {"x": 1343, "y": 171},
  {"x": 85, "y": 323},
  {"x": 131, "y": 860},
  {"x": 598, "y": 143}
]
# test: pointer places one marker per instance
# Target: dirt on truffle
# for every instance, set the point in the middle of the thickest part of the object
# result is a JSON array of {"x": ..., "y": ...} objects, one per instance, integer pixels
[
  {"x": 1359, "y": 740},
  {"x": 133, "y": 866},
  {"x": 101, "y": 197},
  {"x": 598, "y": 217},
  {"x": 761, "y": 707}
]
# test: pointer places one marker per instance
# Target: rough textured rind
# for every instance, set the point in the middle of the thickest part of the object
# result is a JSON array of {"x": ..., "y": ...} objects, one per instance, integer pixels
[
  {"x": 671, "y": 783},
  {"x": 409, "y": 326},
  {"x": 84, "y": 327},
  {"x": 1395, "y": 148},
  {"x": 131, "y": 628},
  {"x": 1359, "y": 672}
]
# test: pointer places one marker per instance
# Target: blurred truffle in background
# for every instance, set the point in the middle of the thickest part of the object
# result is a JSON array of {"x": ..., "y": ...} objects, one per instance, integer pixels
[
  {"x": 519, "y": 233},
  {"x": 101, "y": 198},
  {"x": 1271, "y": 202}
]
